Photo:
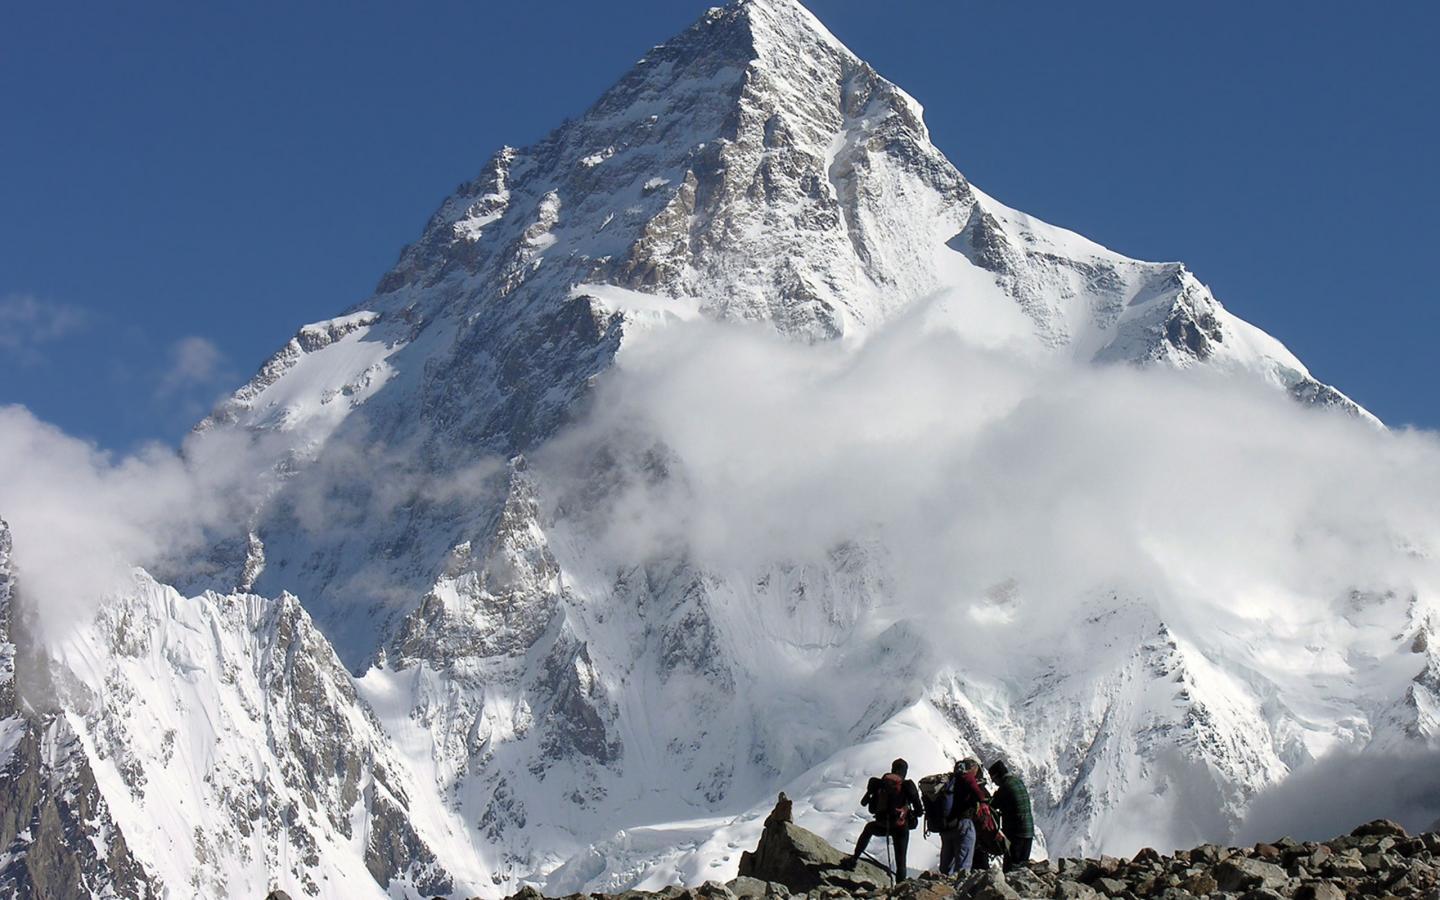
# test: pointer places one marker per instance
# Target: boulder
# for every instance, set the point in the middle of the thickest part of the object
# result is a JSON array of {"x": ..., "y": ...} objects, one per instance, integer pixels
[
  {"x": 1029, "y": 883},
  {"x": 1200, "y": 884},
  {"x": 713, "y": 890},
  {"x": 1146, "y": 855},
  {"x": 924, "y": 888},
  {"x": 802, "y": 861},
  {"x": 1380, "y": 828},
  {"x": 1319, "y": 890},
  {"x": 1240, "y": 873},
  {"x": 985, "y": 884},
  {"x": 1344, "y": 865},
  {"x": 747, "y": 888},
  {"x": 1065, "y": 889},
  {"x": 1208, "y": 854}
]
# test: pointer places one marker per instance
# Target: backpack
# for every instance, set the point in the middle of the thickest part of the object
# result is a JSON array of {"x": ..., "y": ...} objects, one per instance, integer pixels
[
  {"x": 988, "y": 836},
  {"x": 934, "y": 800},
  {"x": 888, "y": 804}
]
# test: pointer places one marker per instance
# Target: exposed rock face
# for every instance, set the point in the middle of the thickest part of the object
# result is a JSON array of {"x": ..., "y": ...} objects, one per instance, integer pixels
[
  {"x": 288, "y": 775},
  {"x": 802, "y": 861},
  {"x": 57, "y": 835}
]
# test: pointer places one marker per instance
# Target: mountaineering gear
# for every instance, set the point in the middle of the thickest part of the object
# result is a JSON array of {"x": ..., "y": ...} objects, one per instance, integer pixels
[
  {"x": 932, "y": 789},
  {"x": 887, "y": 802},
  {"x": 900, "y": 837},
  {"x": 988, "y": 836},
  {"x": 957, "y": 814},
  {"x": 895, "y": 802},
  {"x": 965, "y": 795}
]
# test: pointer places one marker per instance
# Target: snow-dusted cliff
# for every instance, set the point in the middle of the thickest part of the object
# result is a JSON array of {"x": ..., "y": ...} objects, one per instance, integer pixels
[{"x": 470, "y": 676}]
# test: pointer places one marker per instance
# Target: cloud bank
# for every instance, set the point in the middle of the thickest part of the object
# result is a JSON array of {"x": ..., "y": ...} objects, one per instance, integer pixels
[
  {"x": 1337, "y": 793},
  {"x": 1004, "y": 487},
  {"x": 978, "y": 467}
]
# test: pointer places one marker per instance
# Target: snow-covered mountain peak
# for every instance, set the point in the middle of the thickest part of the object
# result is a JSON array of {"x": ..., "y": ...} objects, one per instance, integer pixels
[{"x": 481, "y": 671}]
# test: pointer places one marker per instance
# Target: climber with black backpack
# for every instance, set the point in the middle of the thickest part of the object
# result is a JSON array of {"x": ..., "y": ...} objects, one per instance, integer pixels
[{"x": 894, "y": 801}]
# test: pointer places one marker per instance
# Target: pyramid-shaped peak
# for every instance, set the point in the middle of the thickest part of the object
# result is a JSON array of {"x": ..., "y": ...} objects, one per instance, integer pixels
[
  {"x": 787, "y": 20},
  {"x": 790, "y": 60}
]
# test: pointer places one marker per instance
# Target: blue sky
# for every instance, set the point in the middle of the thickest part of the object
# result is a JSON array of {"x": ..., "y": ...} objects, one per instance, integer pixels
[{"x": 182, "y": 185}]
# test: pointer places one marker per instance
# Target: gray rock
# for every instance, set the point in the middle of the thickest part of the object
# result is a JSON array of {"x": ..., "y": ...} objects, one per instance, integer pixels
[
  {"x": 714, "y": 890},
  {"x": 802, "y": 861},
  {"x": 1208, "y": 853},
  {"x": 744, "y": 887},
  {"x": 1065, "y": 889},
  {"x": 1319, "y": 890},
  {"x": 1344, "y": 865},
  {"x": 1110, "y": 887},
  {"x": 1029, "y": 883},
  {"x": 1241, "y": 873},
  {"x": 986, "y": 884}
]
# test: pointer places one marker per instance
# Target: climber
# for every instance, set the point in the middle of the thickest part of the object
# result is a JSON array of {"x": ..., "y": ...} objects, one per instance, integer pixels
[
  {"x": 894, "y": 800},
  {"x": 1012, "y": 802},
  {"x": 961, "y": 796}
]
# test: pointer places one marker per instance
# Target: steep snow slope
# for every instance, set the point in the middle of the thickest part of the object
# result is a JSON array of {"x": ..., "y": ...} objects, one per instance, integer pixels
[
  {"x": 57, "y": 835},
  {"x": 233, "y": 750},
  {"x": 522, "y": 704}
]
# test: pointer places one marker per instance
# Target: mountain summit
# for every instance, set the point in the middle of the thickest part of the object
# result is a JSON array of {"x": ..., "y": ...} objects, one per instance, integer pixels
[
  {"x": 753, "y": 169},
  {"x": 417, "y": 663}
]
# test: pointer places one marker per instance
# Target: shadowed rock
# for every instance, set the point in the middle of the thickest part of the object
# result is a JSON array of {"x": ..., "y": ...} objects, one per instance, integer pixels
[{"x": 802, "y": 861}]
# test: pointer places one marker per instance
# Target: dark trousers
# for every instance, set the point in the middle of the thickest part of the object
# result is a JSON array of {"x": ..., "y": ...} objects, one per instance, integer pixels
[
  {"x": 1019, "y": 852},
  {"x": 899, "y": 839}
]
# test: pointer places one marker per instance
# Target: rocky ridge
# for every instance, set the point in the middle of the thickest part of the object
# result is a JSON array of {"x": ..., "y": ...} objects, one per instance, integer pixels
[{"x": 1378, "y": 859}]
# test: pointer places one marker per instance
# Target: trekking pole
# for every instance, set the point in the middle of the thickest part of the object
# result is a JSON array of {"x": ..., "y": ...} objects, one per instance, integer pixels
[{"x": 889, "y": 861}]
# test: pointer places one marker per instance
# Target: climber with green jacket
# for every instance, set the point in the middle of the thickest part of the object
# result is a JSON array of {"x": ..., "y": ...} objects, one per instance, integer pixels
[{"x": 1012, "y": 802}]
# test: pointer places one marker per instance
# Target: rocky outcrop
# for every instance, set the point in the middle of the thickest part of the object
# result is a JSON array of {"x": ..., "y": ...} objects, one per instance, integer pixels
[
  {"x": 1377, "y": 860},
  {"x": 802, "y": 861}
]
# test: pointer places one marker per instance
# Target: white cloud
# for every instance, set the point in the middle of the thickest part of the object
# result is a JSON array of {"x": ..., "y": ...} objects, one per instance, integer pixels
[
  {"x": 195, "y": 362},
  {"x": 27, "y": 323},
  {"x": 81, "y": 517},
  {"x": 978, "y": 468},
  {"x": 1346, "y": 789}
]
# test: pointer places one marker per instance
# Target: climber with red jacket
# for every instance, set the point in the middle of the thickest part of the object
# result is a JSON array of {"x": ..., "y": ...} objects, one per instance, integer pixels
[
  {"x": 961, "y": 797},
  {"x": 895, "y": 802}
]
